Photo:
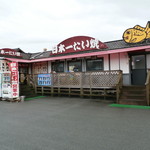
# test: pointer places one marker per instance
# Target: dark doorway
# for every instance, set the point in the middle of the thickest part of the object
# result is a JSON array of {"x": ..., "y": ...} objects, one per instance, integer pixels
[
  {"x": 138, "y": 69},
  {"x": 23, "y": 71}
]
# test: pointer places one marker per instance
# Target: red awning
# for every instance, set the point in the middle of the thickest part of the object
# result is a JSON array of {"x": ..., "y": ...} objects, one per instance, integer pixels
[
  {"x": 18, "y": 60},
  {"x": 93, "y": 54},
  {"x": 99, "y": 53}
]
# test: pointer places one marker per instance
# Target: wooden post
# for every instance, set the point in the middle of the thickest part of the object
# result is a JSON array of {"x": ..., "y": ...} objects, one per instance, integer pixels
[
  {"x": 52, "y": 91},
  {"x": 90, "y": 79},
  {"x": 42, "y": 91},
  {"x": 81, "y": 84},
  {"x": 69, "y": 92},
  {"x": 147, "y": 84},
  {"x": 35, "y": 88},
  {"x": 58, "y": 91},
  {"x": 147, "y": 94},
  {"x": 117, "y": 94}
]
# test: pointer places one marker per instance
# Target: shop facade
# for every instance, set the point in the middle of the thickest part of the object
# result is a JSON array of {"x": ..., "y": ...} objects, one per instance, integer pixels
[
  {"x": 81, "y": 56},
  {"x": 133, "y": 60},
  {"x": 134, "y": 63}
]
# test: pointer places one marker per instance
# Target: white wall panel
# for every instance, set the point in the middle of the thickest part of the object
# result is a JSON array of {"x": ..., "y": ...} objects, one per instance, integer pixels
[
  {"x": 148, "y": 60},
  {"x": 119, "y": 61},
  {"x": 106, "y": 62},
  {"x": 124, "y": 62},
  {"x": 114, "y": 62}
]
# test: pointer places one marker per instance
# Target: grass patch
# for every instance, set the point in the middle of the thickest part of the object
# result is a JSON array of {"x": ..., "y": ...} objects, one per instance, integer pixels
[
  {"x": 34, "y": 97},
  {"x": 130, "y": 106}
]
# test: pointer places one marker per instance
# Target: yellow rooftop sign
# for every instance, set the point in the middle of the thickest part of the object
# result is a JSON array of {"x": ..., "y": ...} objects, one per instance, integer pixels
[{"x": 137, "y": 34}]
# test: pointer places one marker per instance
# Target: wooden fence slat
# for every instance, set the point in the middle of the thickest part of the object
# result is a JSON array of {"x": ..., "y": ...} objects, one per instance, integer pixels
[
  {"x": 86, "y": 79},
  {"x": 83, "y": 79}
]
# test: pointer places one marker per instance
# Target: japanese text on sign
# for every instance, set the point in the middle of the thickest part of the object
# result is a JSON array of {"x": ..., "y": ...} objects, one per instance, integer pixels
[
  {"x": 44, "y": 79},
  {"x": 9, "y": 52},
  {"x": 15, "y": 89},
  {"x": 14, "y": 78},
  {"x": 80, "y": 43}
]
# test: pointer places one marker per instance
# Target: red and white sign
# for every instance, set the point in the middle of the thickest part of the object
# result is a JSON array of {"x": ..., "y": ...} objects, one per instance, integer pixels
[
  {"x": 14, "y": 78},
  {"x": 10, "y": 52},
  {"x": 15, "y": 92},
  {"x": 78, "y": 43}
]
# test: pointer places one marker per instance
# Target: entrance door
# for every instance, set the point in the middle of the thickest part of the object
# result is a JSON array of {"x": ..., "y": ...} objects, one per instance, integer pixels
[
  {"x": 138, "y": 69},
  {"x": 23, "y": 71}
]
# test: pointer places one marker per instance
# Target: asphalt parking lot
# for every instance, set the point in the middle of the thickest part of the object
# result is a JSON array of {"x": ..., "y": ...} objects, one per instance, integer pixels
[{"x": 58, "y": 123}]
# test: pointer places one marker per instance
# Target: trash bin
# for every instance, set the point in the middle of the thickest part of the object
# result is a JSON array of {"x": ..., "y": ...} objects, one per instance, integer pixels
[{"x": 22, "y": 98}]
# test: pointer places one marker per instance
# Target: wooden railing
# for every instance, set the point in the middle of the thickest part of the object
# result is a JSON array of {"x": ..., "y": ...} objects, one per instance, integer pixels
[
  {"x": 31, "y": 80},
  {"x": 119, "y": 86},
  {"x": 91, "y": 80},
  {"x": 87, "y": 79},
  {"x": 82, "y": 79},
  {"x": 71, "y": 80},
  {"x": 148, "y": 88}
]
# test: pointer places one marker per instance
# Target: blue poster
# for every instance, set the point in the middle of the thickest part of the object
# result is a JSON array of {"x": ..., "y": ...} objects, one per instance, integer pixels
[{"x": 44, "y": 79}]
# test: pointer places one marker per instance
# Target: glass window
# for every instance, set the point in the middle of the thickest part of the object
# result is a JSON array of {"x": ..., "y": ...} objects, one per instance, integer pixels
[
  {"x": 23, "y": 68},
  {"x": 74, "y": 66},
  {"x": 138, "y": 62},
  {"x": 58, "y": 66},
  {"x": 94, "y": 65},
  {"x": 40, "y": 67}
]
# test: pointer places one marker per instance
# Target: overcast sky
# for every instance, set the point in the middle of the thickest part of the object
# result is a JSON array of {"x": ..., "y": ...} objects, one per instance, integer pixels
[{"x": 36, "y": 24}]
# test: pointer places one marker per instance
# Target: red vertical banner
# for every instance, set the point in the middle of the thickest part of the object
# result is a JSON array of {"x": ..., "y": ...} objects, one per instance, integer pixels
[{"x": 14, "y": 79}]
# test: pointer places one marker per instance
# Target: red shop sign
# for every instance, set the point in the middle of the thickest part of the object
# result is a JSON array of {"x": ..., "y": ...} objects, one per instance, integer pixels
[
  {"x": 78, "y": 43},
  {"x": 14, "y": 78},
  {"x": 13, "y": 66},
  {"x": 10, "y": 52},
  {"x": 14, "y": 71},
  {"x": 15, "y": 90}
]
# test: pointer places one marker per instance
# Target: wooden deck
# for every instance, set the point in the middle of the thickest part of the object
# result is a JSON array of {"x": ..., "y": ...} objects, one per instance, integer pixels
[
  {"x": 84, "y": 84},
  {"x": 103, "y": 84}
]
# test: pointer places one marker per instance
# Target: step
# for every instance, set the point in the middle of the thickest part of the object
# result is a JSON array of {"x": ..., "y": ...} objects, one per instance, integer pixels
[
  {"x": 133, "y": 93},
  {"x": 134, "y": 88},
  {"x": 132, "y": 99},
  {"x": 128, "y": 95},
  {"x": 136, "y": 93},
  {"x": 144, "y": 103}
]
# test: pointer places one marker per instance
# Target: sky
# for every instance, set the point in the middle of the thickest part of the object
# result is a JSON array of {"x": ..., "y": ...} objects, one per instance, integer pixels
[{"x": 33, "y": 25}]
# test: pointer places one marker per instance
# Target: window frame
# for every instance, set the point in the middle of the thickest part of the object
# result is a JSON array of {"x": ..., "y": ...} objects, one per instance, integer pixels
[
  {"x": 80, "y": 61},
  {"x": 56, "y": 63},
  {"x": 102, "y": 60}
]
